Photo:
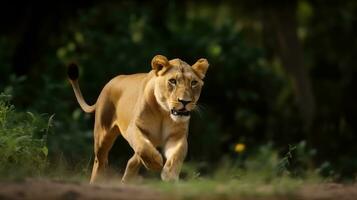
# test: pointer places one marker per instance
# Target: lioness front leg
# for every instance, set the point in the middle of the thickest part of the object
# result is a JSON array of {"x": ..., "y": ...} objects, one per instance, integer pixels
[
  {"x": 175, "y": 152},
  {"x": 150, "y": 157}
]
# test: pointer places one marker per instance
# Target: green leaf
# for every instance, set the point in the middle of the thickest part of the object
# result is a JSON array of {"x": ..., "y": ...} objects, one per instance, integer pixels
[{"x": 45, "y": 150}]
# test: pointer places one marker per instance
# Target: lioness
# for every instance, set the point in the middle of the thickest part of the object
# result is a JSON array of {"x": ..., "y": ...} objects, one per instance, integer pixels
[{"x": 150, "y": 110}]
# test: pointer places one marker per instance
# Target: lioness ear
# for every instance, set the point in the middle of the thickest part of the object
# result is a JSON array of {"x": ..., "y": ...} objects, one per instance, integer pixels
[
  {"x": 200, "y": 67},
  {"x": 160, "y": 64}
]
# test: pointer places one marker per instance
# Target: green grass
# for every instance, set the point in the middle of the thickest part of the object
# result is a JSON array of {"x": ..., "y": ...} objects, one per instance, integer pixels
[
  {"x": 261, "y": 174},
  {"x": 228, "y": 183},
  {"x": 212, "y": 188},
  {"x": 224, "y": 183}
]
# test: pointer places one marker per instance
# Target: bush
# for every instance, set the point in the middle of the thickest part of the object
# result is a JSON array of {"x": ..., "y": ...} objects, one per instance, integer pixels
[{"x": 23, "y": 149}]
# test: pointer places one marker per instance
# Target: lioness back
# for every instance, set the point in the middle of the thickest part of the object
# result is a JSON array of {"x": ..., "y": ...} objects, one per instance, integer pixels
[{"x": 120, "y": 96}]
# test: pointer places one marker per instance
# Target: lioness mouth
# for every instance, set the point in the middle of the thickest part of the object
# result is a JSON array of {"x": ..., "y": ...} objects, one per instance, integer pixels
[{"x": 182, "y": 112}]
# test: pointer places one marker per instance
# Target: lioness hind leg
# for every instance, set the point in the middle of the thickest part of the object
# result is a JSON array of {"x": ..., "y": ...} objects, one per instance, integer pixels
[
  {"x": 104, "y": 141},
  {"x": 132, "y": 168}
]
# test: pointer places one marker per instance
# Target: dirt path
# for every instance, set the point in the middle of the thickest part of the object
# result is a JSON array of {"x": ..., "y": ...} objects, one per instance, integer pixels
[
  {"x": 328, "y": 191},
  {"x": 47, "y": 189}
]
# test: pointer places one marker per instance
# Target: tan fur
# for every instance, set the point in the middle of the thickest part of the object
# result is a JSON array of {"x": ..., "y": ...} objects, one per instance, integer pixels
[{"x": 139, "y": 107}]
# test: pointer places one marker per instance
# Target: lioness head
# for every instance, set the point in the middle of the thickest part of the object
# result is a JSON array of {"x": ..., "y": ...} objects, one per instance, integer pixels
[{"x": 178, "y": 85}]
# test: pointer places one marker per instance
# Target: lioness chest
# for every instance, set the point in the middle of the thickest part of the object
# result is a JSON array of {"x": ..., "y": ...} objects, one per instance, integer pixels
[{"x": 129, "y": 94}]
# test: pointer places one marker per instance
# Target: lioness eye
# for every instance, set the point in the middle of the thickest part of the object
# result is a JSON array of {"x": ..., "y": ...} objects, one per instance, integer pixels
[
  {"x": 172, "y": 81},
  {"x": 193, "y": 83}
]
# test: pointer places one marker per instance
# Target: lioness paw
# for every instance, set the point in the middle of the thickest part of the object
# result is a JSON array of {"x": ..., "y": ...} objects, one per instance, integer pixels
[{"x": 167, "y": 175}]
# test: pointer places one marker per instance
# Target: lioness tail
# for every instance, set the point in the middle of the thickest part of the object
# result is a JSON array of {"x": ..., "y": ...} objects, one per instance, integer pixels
[{"x": 73, "y": 74}]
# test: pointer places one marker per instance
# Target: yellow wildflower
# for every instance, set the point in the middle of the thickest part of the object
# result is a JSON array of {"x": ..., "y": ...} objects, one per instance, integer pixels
[{"x": 239, "y": 147}]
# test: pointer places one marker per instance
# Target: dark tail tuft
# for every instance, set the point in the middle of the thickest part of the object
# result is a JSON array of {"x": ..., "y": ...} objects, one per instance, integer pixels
[{"x": 72, "y": 71}]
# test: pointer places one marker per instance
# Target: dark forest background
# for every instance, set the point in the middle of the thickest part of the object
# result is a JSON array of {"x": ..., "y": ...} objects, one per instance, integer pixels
[{"x": 281, "y": 73}]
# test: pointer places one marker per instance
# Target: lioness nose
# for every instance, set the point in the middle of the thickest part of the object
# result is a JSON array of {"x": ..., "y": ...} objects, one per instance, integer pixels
[{"x": 184, "y": 102}]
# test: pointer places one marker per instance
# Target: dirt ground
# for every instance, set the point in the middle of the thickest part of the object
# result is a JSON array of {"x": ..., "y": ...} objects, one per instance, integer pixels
[{"x": 49, "y": 189}]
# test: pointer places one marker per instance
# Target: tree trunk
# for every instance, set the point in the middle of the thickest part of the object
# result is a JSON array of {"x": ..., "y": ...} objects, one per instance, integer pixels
[{"x": 279, "y": 21}]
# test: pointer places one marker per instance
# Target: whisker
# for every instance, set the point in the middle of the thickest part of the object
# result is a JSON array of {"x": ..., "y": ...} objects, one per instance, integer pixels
[
  {"x": 202, "y": 107},
  {"x": 199, "y": 109}
]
